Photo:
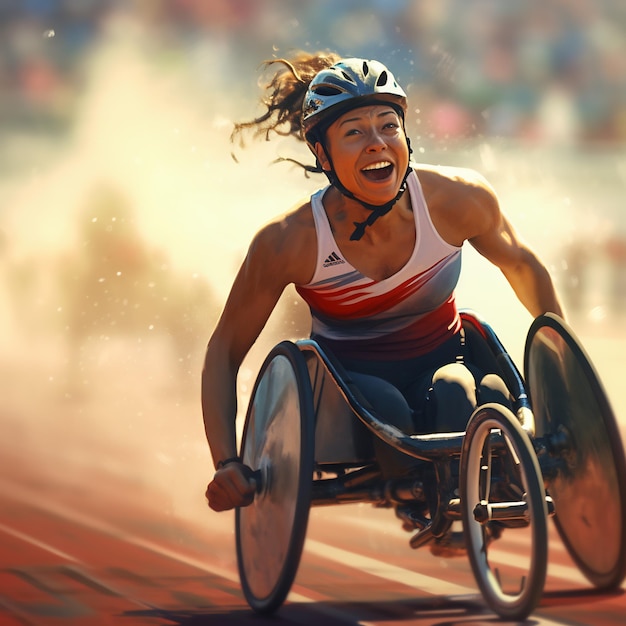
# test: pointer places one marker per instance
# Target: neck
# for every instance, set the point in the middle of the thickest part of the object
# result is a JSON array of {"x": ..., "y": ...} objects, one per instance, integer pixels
[
  {"x": 352, "y": 219},
  {"x": 376, "y": 211}
]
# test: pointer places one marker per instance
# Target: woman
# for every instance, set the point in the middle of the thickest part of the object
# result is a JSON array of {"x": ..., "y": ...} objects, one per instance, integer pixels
[{"x": 376, "y": 254}]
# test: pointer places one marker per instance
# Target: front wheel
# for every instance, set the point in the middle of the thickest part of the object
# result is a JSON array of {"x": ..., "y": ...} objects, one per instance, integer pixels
[{"x": 501, "y": 489}]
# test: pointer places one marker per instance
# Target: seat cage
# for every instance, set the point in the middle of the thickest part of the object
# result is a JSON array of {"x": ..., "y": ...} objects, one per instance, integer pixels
[{"x": 343, "y": 396}]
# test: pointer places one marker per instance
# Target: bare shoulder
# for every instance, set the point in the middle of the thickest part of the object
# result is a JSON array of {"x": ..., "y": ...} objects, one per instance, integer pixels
[
  {"x": 286, "y": 246},
  {"x": 461, "y": 201},
  {"x": 454, "y": 180}
]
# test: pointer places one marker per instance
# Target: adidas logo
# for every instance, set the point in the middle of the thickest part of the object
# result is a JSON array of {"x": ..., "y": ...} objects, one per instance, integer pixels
[{"x": 333, "y": 259}]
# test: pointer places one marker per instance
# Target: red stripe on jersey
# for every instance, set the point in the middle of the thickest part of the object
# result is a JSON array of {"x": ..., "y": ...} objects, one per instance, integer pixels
[
  {"x": 417, "y": 339},
  {"x": 354, "y": 302}
]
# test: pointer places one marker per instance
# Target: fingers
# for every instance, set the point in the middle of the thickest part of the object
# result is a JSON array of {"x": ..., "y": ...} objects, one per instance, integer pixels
[{"x": 230, "y": 488}]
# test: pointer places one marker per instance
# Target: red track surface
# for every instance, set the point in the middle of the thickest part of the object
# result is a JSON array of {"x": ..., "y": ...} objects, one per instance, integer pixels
[{"x": 102, "y": 521}]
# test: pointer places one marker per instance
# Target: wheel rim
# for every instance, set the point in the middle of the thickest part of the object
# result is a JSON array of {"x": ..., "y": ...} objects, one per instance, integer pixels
[{"x": 511, "y": 586}]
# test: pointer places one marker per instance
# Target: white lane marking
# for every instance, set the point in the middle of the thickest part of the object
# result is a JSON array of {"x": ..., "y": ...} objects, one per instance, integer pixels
[
  {"x": 37, "y": 543},
  {"x": 392, "y": 527},
  {"x": 79, "y": 518},
  {"x": 421, "y": 582},
  {"x": 428, "y": 584},
  {"x": 563, "y": 572}
]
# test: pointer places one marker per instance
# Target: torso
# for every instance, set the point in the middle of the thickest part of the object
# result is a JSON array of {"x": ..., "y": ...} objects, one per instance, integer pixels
[
  {"x": 405, "y": 302},
  {"x": 450, "y": 195}
]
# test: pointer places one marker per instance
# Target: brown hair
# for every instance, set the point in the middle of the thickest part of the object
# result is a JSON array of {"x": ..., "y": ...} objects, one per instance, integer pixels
[{"x": 284, "y": 95}]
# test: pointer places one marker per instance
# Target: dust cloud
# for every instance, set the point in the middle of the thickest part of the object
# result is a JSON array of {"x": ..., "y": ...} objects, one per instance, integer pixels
[{"x": 118, "y": 251}]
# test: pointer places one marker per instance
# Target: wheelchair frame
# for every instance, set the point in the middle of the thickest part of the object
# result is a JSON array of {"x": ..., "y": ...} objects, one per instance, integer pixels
[{"x": 509, "y": 469}]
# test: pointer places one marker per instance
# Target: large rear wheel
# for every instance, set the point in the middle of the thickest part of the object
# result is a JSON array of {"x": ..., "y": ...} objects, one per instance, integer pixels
[{"x": 585, "y": 468}]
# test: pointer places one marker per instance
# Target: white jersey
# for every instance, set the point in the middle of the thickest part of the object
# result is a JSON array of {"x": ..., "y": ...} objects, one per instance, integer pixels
[{"x": 403, "y": 316}]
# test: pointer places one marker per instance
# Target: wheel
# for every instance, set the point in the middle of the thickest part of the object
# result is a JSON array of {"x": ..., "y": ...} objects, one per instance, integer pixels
[
  {"x": 277, "y": 443},
  {"x": 501, "y": 487},
  {"x": 586, "y": 473}
]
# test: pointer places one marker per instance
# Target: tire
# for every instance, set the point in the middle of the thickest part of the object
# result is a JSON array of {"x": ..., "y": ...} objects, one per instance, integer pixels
[
  {"x": 586, "y": 470},
  {"x": 499, "y": 465}
]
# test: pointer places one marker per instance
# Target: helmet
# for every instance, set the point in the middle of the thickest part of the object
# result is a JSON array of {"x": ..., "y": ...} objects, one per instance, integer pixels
[{"x": 343, "y": 86}]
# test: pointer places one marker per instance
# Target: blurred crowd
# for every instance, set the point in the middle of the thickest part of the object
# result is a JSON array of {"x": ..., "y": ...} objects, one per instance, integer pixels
[{"x": 533, "y": 69}]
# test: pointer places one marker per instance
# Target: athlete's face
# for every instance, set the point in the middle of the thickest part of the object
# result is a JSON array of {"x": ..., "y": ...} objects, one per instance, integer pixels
[{"x": 369, "y": 152}]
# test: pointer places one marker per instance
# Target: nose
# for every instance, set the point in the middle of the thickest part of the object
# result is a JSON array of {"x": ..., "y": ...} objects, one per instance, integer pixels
[{"x": 375, "y": 143}]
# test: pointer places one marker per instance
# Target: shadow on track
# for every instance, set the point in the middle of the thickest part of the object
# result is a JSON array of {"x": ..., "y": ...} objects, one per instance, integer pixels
[{"x": 433, "y": 611}]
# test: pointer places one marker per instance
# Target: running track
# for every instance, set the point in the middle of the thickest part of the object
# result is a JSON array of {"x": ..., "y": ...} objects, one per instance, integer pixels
[{"x": 97, "y": 529}]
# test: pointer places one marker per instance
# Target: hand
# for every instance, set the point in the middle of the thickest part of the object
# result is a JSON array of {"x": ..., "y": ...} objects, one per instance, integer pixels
[{"x": 232, "y": 486}]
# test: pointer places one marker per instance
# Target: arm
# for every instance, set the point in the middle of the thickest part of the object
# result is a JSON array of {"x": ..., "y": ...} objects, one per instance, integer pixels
[
  {"x": 271, "y": 264},
  {"x": 464, "y": 207}
]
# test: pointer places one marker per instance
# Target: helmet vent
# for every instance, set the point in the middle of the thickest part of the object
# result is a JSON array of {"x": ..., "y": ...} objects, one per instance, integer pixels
[
  {"x": 349, "y": 83},
  {"x": 327, "y": 90},
  {"x": 348, "y": 77}
]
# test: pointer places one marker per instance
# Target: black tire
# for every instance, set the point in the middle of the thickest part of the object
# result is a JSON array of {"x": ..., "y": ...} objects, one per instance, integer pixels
[
  {"x": 277, "y": 443},
  {"x": 495, "y": 442},
  {"x": 574, "y": 417}
]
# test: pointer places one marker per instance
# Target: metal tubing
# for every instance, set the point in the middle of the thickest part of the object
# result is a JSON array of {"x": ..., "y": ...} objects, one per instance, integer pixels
[{"x": 500, "y": 511}]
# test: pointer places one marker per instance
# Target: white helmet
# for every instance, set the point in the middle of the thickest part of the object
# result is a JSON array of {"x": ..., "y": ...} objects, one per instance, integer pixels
[{"x": 348, "y": 84}]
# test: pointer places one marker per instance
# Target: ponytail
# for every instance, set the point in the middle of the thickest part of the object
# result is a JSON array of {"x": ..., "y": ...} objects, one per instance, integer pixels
[{"x": 284, "y": 95}]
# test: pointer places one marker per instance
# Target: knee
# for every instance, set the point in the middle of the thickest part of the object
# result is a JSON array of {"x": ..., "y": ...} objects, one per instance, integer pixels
[
  {"x": 493, "y": 389},
  {"x": 454, "y": 374},
  {"x": 452, "y": 397},
  {"x": 386, "y": 400},
  {"x": 454, "y": 382}
]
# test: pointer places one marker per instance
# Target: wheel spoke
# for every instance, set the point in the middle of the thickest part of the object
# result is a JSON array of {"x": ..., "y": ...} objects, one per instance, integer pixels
[{"x": 484, "y": 485}]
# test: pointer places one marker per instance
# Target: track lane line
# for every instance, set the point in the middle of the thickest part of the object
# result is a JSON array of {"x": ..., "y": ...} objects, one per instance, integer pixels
[{"x": 46, "y": 547}]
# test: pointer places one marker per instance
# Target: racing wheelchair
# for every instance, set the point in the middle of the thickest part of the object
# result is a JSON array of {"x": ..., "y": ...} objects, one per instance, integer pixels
[{"x": 555, "y": 452}]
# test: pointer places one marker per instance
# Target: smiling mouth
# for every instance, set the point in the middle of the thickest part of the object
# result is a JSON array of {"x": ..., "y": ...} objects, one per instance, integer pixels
[{"x": 378, "y": 171}]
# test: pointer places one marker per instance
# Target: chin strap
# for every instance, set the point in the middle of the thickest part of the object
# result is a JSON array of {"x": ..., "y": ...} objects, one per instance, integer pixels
[{"x": 376, "y": 210}]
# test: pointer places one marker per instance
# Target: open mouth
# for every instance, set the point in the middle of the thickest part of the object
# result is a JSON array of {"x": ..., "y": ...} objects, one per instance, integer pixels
[{"x": 378, "y": 171}]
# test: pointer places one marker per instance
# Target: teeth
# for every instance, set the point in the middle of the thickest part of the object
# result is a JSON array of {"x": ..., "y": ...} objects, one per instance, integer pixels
[{"x": 377, "y": 166}]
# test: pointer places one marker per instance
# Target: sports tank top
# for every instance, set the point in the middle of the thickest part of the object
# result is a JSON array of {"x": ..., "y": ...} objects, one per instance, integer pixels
[{"x": 403, "y": 316}]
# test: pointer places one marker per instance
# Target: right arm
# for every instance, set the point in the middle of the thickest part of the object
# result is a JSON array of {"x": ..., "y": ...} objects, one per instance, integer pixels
[{"x": 280, "y": 254}]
